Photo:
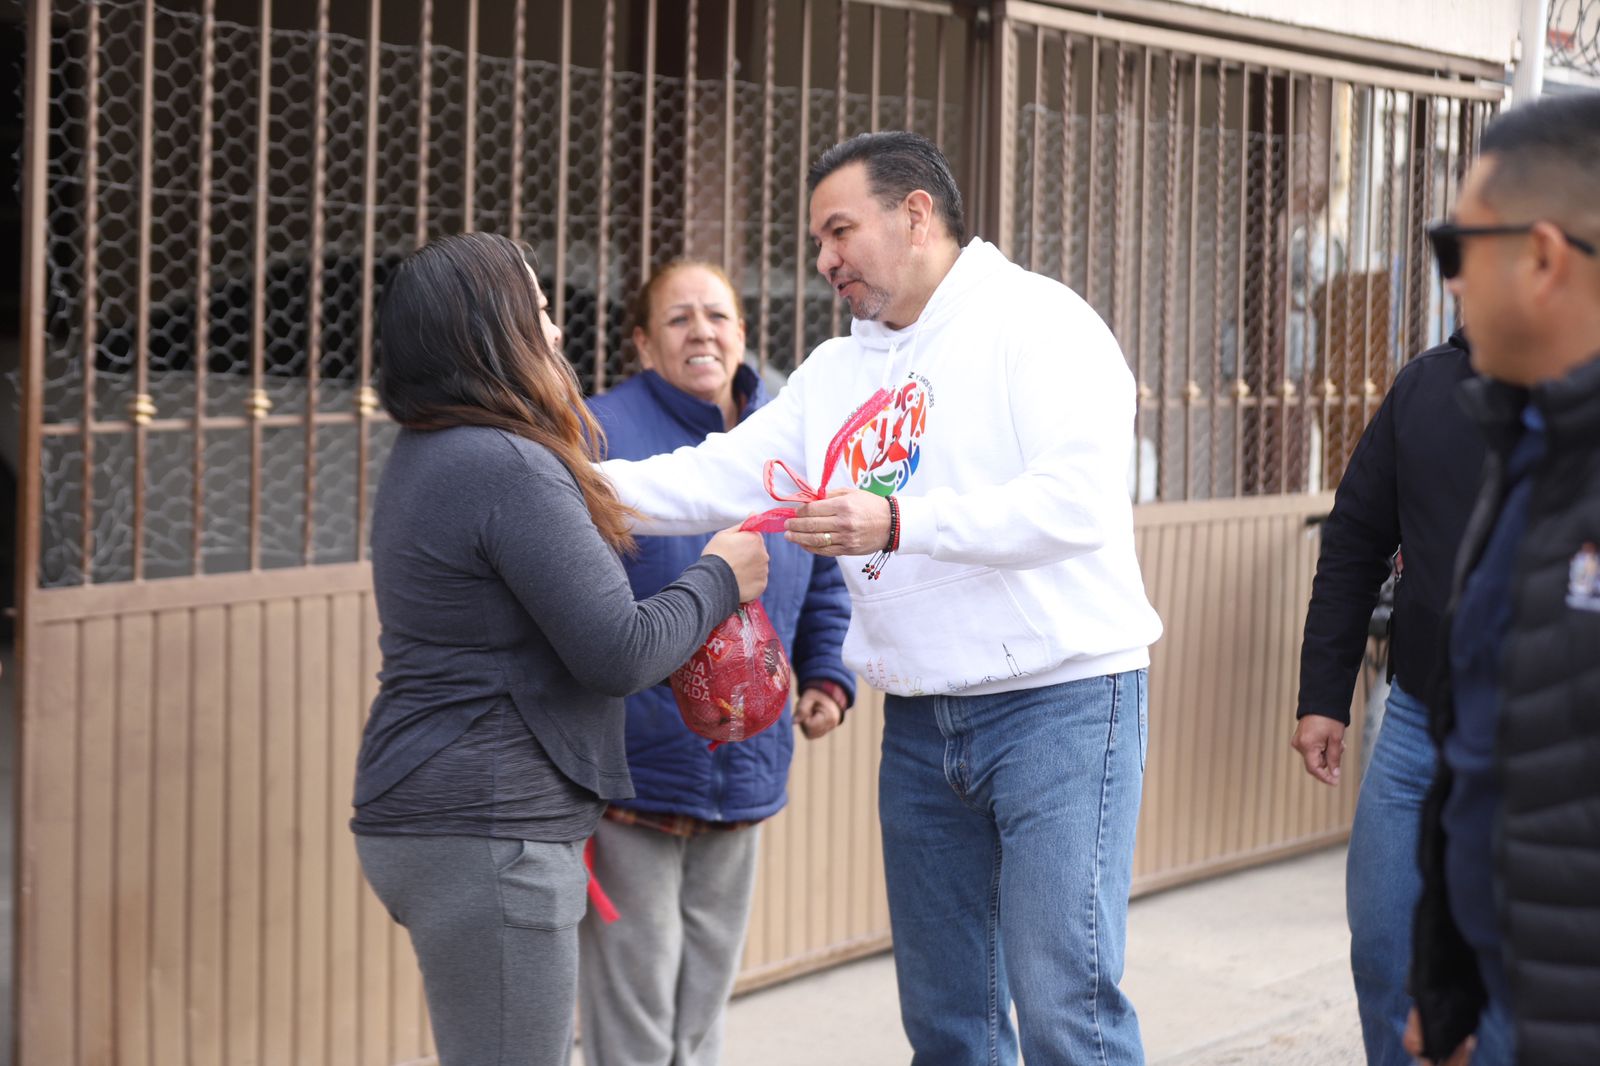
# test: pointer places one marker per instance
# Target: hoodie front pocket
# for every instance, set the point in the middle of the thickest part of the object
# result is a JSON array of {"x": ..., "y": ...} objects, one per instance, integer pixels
[{"x": 944, "y": 636}]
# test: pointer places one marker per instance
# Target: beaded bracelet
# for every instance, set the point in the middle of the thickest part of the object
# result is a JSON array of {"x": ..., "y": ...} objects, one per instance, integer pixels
[{"x": 875, "y": 565}]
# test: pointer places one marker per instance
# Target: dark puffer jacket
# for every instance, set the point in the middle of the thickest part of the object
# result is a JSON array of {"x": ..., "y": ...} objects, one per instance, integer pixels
[
  {"x": 1547, "y": 836},
  {"x": 673, "y": 772}
]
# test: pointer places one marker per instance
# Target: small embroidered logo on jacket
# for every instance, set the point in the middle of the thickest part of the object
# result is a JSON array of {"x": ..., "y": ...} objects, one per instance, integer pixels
[{"x": 1583, "y": 580}]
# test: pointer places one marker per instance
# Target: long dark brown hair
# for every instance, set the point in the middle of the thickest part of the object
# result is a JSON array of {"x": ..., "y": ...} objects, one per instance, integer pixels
[{"x": 462, "y": 346}]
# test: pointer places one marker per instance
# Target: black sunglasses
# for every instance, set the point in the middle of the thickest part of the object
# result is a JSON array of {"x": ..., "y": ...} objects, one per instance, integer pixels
[{"x": 1446, "y": 240}]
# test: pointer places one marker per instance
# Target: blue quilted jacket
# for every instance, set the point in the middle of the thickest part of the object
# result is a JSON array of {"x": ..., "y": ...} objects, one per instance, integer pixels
[{"x": 806, "y": 599}]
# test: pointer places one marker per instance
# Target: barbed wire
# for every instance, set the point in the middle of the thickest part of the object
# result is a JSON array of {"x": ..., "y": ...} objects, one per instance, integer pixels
[{"x": 1573, "y": 39}]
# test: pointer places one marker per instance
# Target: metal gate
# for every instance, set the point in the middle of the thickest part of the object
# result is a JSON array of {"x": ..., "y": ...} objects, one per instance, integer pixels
[
  {"x": 1249, "y": 220},
  {"x": 214, "y": 192}
]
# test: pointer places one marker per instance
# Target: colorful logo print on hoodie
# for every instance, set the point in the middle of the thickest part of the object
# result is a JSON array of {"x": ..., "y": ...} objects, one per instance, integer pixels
[{"x": 884, "y": 454}]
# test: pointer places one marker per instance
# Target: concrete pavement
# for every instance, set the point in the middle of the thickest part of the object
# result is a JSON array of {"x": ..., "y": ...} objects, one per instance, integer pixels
[{"x": 1249, "y": 969}]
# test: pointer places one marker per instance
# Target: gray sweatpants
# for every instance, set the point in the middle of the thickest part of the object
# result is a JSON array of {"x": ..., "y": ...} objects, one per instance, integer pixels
[
  {"x": 494, "y": 924},
  {"x": 656, "y": 981}
]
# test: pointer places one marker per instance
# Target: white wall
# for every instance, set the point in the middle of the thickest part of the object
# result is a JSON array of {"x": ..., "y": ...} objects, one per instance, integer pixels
[{"x": 1481, "y": 29}]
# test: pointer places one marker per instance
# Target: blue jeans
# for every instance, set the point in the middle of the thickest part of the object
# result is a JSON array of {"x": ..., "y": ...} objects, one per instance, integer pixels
[
  {"x": 1382, "y": 881},
  {"x": 1008, "y": 824}
]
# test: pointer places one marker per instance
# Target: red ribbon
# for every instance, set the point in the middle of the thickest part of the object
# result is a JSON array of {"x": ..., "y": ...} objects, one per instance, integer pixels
[
  {"x": 597, "y": 896},
  {"x": 773, "y": 521}
]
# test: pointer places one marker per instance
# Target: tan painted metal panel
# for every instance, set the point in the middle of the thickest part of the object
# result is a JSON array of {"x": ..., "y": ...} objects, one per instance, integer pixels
[
  {"x": 50, "y": 876},
  {"x": 195, "y": 789},
  {"x": 133, "y": 774},
  {"x": 95, "y": 662},
  {"x": 245, "y": 928},
  {"x": 208, "y": 887},
  {"x": 169, "y": 859}
]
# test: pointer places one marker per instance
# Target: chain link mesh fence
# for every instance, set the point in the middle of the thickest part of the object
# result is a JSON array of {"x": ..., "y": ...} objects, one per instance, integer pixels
[
  {"x": 207, "y": 372},
  {"x": 1573, "y": 38},
  {"x": 1253, "y": 236}
]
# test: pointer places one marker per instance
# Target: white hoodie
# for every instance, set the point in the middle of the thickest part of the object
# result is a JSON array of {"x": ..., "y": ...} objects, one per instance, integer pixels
[{"x": 1007, "y": 448}]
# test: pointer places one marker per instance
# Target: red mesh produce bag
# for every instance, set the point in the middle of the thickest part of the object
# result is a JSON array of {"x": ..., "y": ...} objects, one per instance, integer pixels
[{"x": 737, "y": 683}]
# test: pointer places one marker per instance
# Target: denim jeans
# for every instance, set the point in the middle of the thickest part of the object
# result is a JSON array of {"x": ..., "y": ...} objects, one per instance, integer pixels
[
  {"x": 1008, "y": 825},
  {"x": 1382, "y": 881}
]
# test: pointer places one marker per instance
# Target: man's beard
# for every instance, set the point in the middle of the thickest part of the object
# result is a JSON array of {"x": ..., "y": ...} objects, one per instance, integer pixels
[{"x": 868, "y": 307}]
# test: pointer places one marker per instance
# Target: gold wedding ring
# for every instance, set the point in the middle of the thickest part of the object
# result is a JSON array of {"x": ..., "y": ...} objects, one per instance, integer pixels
[{"x": 827, "y": 540}]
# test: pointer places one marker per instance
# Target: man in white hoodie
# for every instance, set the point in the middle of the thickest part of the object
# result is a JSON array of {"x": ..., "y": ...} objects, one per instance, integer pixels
[{"x": 1009, "y": 625}]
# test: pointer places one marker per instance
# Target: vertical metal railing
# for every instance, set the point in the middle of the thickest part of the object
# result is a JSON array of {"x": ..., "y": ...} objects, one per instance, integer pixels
[
  {"x": 1248, "y": 220},
  {"x": 1249, "y": 224}
]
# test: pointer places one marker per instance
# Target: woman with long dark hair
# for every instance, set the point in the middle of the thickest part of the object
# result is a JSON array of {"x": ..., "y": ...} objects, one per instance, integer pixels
[{"x": 509, "y": 635}]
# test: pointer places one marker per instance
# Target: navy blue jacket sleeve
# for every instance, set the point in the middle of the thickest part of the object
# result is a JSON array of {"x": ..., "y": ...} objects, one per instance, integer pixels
[
  {"x": 819, "y": 634},
  {"x": 1358, "y": 540}
]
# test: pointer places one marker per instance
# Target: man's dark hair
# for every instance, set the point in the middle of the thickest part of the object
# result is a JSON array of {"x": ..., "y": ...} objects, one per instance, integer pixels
[
  {"x": 1547, "y": 159},
  {"x": 898, "y": 163}
]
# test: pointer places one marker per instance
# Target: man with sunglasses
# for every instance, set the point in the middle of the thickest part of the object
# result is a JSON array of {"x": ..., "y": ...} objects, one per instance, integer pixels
[{"x": 1507, "y": 938}]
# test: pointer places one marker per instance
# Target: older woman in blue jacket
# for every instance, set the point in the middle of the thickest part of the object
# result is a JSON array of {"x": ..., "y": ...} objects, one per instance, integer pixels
[{"x": 678, "y": 859}]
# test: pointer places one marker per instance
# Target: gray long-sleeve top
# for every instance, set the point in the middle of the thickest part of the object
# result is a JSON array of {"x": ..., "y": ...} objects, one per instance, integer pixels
[{"x": 492, "y": 583}]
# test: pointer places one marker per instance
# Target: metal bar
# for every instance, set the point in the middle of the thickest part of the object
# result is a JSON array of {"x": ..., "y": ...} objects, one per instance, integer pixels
[
  {"x": 1120, "y": 174},
  {"x": 1169, "y": 325},
  {"x": 319, "y": 183},
  {"x": 1001, "y": 156},
  {"x": 563, "y": 158},
  {"x": 1355, "y": 268},
  {"x": 1367, "y": 243},
  {"x": 764, "y": 297},
  {"x": 1094, "y": 170},
  {"x": 141, "y": 326},
  {"x": 1307, "y": 340},
  {"x": 729, "y": 118},
  {"x": 259, "y": 273},
  {"x": 1453, "y": 154},
  {"x": 91, "y": 269},
  {"x": 424, "y": 118},
  {"x": 1191, "y": 388},
  {"x": 1269, "y": 331},
  {"x": 1442, "y": 168},
  {"x": 35, "y": 249},
  {"x": 1069, "y": 146},
  {"x": 938, "y": 91},
  {"x": 1215, "y": 361},
  {"x": 1241, "y": 388},
  {"x": 602, "y": 262},
  {"x": 841, "y": 82},
  {"x": 800, "y": 185},
  {"x": 841, "y": 74},
  {"x": 469, "y": 133},
  {"x": 926, "y": 7},
  {"x": 1407, "y": 295},
  {"x": 1287, "y": 389},
  {"x": 1327, "y": 283},
  {"x": 1390, "y": 224},
  {"x": 30, "y": 960},
  {"x": 1142, "y": 390},
  {"x": 367, "y": 400},
  {"x": 187, "y": 422},
  {"x": 202, "y": 271},
  {"x": 911, "y": 69},
  {"x": 1445, "y": 299},
  {"x": 976, "y": 120},
  {"x": 1036, "y": 181},
  {"x": 877, "y": 67},
  {"x": 1250, "y": 55},
  {"x": 519, "y": 110},
  {"x": 689, "y": 124},
  {"x": 1298, "y": 39},
  {"x": 648, "y": 184}
]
